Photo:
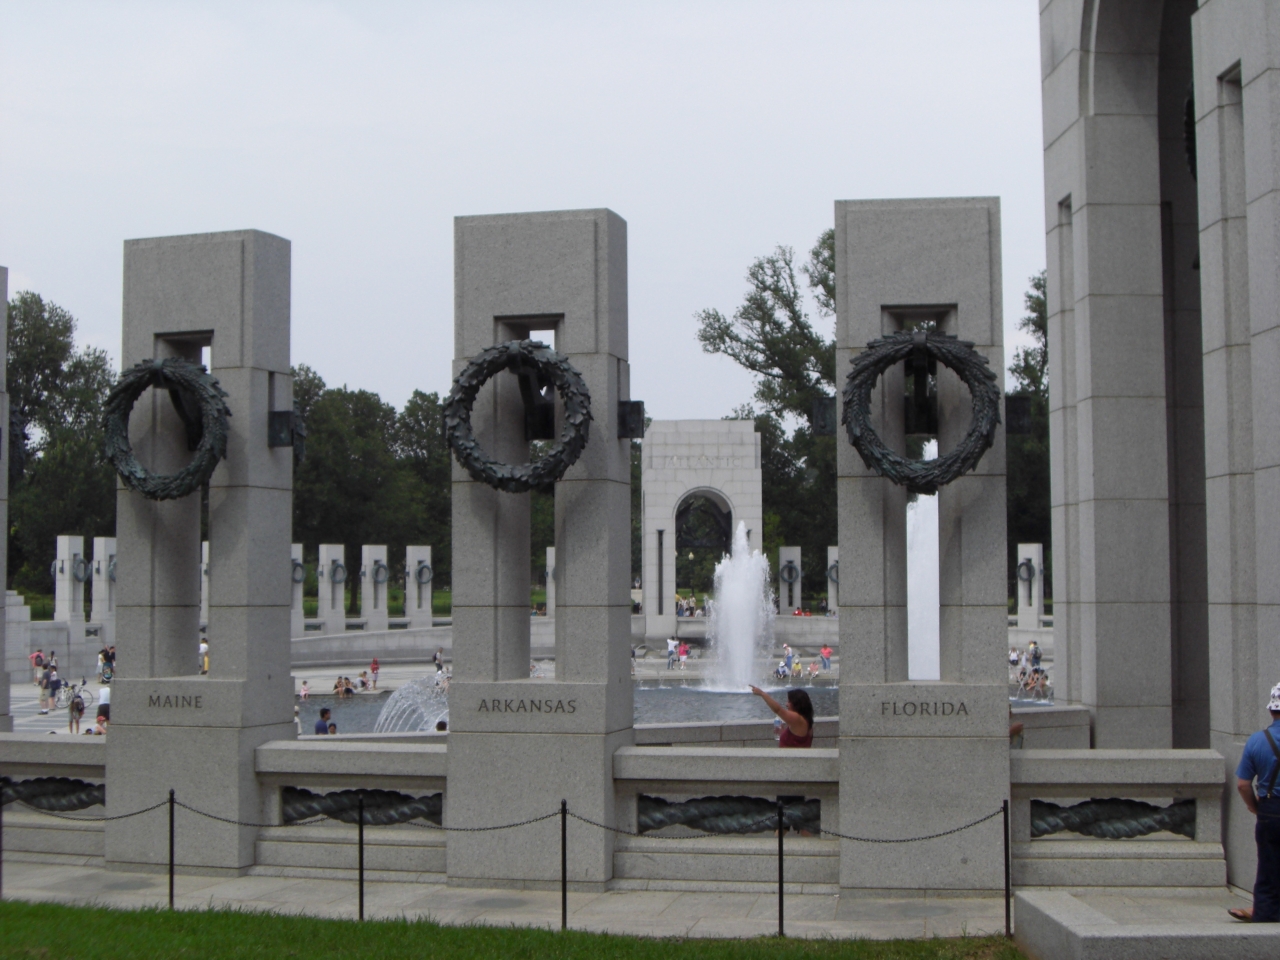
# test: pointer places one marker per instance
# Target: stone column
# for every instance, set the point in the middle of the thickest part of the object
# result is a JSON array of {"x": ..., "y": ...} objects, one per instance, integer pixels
[
  {"x": 418, "y": 577},
  {"x": 1237, "y": 69},
  {"x": 332, "y": 574},
  {"x": 789, "y": 593},
  {"x": 551, "y": 582},
  {"x": 833, "y": 579},
  {"x": 71, "y": 569},
  {"x": 1030, "y": 590},
  {"x": 515, "y": 276},
  {"x": 901, "y": 264},
  {"x": 297, "y": 580},
  {"x": 204, "y": 584},
  {"x": 172, "y": 728},
  {"x": 103, "y": 607},
  {"x": 6, "y": 720},
  {"x": 373, "y": 595}
]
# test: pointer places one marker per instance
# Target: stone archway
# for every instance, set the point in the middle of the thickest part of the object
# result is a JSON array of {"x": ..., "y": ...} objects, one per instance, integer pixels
[{"x": 702, "y": 476}]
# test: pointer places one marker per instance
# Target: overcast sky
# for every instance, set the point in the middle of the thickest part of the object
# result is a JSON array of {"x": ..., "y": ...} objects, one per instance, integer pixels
[{"x": 359, "y": 130}]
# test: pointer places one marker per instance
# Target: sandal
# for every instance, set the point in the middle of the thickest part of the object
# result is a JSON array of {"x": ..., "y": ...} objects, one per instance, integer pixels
[{"x": 1243, "y": 914}]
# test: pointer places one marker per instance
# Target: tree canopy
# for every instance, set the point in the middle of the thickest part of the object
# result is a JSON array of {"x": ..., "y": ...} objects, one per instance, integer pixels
[{"x": 56, "y": 393}]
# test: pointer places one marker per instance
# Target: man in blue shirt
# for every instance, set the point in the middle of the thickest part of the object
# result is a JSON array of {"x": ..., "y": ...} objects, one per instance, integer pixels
[
  {"x": 322, "y": 725},
  {"x": 1261, "y": 762}
]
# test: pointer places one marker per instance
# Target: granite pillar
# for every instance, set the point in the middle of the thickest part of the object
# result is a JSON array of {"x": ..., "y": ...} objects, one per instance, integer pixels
[
  {"x": 297, "y": 580},
  {"x": 332, "y": 576},
  {"x": 551, "y": 581},
  {"x": 70, "y": 572},
  {"x": 375, "y": 574},
  {"x": 517, "y": 275},
  {"x": 907, "y": 264},
  {"x": 418, "y": 578},
  {"x": 1030, "y": 585},
  {"x": 172, "y": 728}
]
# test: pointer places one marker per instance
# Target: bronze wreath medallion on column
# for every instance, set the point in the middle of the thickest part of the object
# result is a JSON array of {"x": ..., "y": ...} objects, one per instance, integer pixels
[
  {"x": 921, "y": 476},
  {"x": 518, "y": 356},
  {"x": 199, "y": 400}
]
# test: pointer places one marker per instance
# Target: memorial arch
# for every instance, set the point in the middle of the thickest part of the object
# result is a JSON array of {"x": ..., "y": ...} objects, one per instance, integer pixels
[{"x": 699, "y": 478}]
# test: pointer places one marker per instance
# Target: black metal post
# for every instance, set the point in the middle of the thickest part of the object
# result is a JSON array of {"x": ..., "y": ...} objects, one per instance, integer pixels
[
  {"x": 781, "y": 831},
  {"x": 1008, "y": 924},
  {"x": 564, "y": 864},
  {"x": 171, "y": 809},
  {"x": 360, "y": 843}
]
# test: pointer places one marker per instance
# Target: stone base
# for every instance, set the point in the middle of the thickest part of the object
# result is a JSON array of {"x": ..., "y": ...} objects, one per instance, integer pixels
[
  {"x": 499, "y": 778},
  {"x": 916, "y": 759},
  {"x": 209, "y": 767},
  {"x": 1054, "y": 925}
]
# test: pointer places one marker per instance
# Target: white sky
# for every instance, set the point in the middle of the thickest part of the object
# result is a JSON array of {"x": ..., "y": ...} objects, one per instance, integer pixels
[{"x": 359, "y": 130}]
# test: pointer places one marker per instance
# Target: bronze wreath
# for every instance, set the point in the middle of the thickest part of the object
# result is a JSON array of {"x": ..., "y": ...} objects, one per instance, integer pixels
[
  {"x": 921, "y": 476},
  {"x": 185, "y": 381},
  {"x": 573, "y": 435}
]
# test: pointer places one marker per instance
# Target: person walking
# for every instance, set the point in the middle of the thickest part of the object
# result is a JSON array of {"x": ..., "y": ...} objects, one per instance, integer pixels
[
  {"x": 683, "y": 653},
  {"x": 671, "y": 653},
  {"x": 373, "y": 672},
  {"x": 1260, "y": 763},
  {"x": 37, "y": 666},
  {"x": 75, "y": 710}
]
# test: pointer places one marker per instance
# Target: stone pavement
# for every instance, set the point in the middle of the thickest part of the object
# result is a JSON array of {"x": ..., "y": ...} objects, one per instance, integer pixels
[{"x": 645, "y": 913}]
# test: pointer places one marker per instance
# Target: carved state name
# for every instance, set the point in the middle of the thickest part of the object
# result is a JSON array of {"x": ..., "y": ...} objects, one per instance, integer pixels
[
  {"x": 528, "y": 706},
  {"x": 922, "y": 708},
  {"x": 175, "y": 702}
]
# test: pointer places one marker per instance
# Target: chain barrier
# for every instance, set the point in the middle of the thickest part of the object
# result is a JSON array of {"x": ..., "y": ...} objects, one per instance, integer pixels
[
  {"x": 504, "y": 826},
  {"x": 122, "y": 816},
  {"x": 245, "y": 823},
  {"x": 778, "y": 821},
  {"x": 764, "y": 824},
  {"x": 931, "y": 836}
]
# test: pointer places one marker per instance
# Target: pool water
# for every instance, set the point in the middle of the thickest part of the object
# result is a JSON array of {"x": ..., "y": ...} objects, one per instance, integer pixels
[{"x": 653, "y": 704}]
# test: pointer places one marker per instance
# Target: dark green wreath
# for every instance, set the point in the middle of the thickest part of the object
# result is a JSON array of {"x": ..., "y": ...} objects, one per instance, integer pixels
[
  {"x": 921, "y": 476},
  {"x": 514, "y": 355},
  {"x": 199, "y": 401}
]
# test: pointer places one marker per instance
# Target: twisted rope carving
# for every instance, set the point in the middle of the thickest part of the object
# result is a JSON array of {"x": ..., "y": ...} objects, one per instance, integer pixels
[
  {"x": 186, "y": 381},
  {"x": 727, "y": 814},
  {"x": 59, "y": 794},
  {"x": 1113, "y": 819},
  {"x": 921, "y": 476},
  {"x": 513, "y": 355},
  {"x": 381, "y": 807}
]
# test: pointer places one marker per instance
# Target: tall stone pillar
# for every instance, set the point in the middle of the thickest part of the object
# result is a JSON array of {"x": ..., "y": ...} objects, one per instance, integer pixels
[
  {"x": 790, "y": 580},
  {"x": 833, "y": 579},
  {"x": 102, "y": 609},
  {"x": 171, "y": 728},
  {"x": 204, "y": 583},
  {"x": 6, "y": 720},
  {"x": 1237, "y": 68},
  {"x": 904, "y": 264},
  {"x": 375, "y": 574},
  {"x": 1030, "y": 585},
  {"x": 418, "y": 577},
  {"x": 332, "y": 574},
  {"x": 551, "y": 581},
  {"x": 297, "y": 580},
  {"x": 517, "y": 275},
  {"x": 70, "y": 571}
]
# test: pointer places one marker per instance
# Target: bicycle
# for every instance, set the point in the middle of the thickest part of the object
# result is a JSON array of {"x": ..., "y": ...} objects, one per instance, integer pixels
[{"x": 65, "y": 693}]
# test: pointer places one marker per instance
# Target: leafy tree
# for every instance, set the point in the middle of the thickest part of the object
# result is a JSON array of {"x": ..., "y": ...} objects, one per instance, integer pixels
[
  {"x": 56, "y": 393},
  {"x": 1028, "y": 515},
  {"x": 772, "y": 336},
  {"x": 424, "y": 454}
]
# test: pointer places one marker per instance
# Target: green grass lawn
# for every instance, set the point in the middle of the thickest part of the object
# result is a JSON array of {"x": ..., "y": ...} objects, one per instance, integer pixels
[{"x": 54, "y": 932}]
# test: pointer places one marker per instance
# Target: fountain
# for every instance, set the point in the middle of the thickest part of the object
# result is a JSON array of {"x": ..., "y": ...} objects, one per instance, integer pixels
[
  {"x": 922, "y": 583},
  {"x": 741, "y": 625},
  {"x": 416, "y": 706}
]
